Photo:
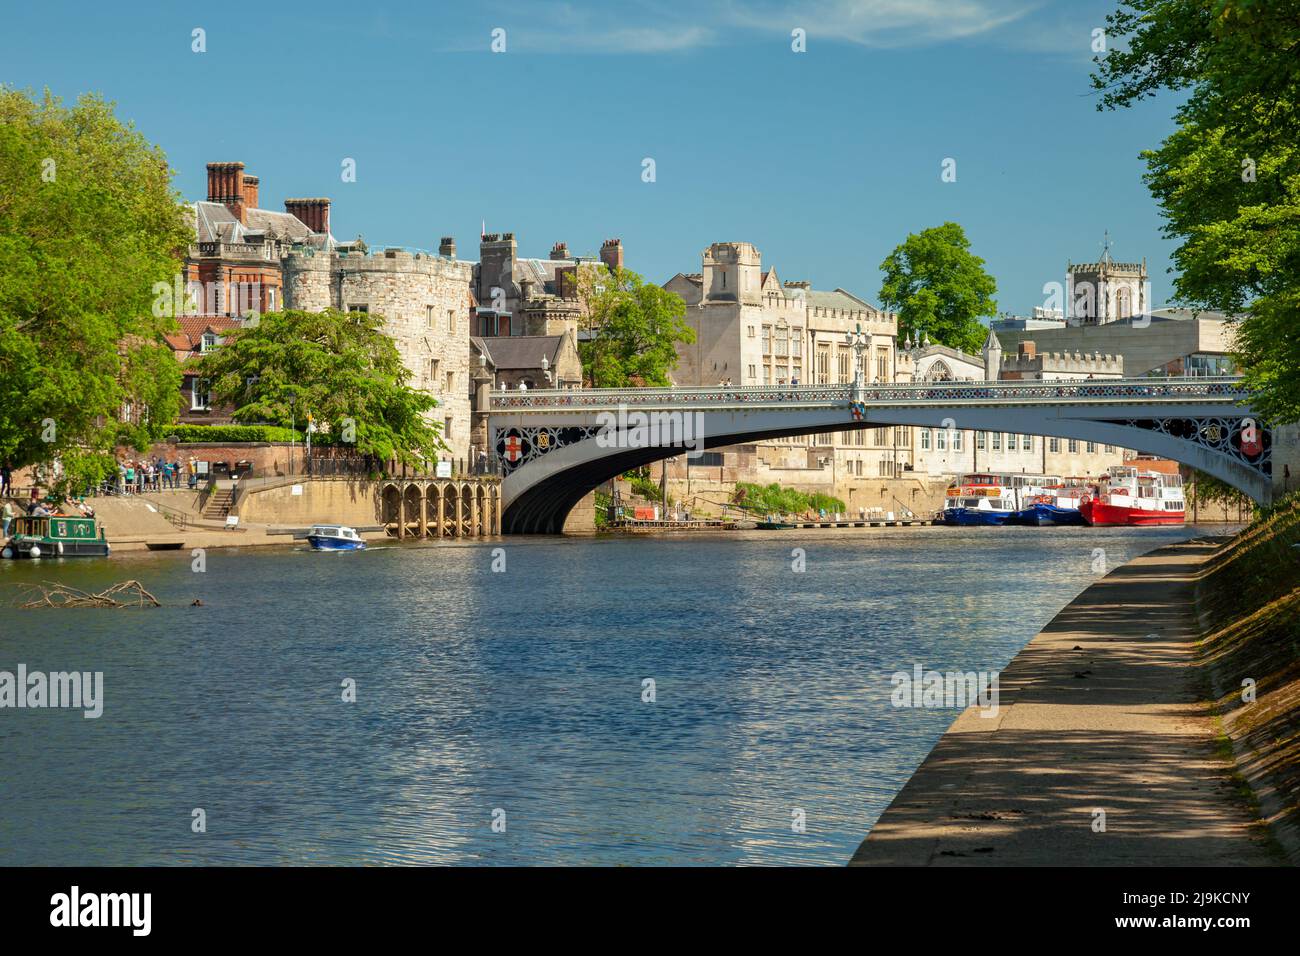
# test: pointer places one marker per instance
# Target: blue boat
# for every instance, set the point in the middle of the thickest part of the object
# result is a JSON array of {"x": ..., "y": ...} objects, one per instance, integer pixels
[
  {"x": 334, "y": 537},
  {"x": 1043, "y": 514},
  {"x": 979, "y": 499},
  {"x": 967, "y": 517}
]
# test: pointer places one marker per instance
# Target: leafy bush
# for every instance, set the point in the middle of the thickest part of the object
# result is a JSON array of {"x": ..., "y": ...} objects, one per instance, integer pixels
[
  {"x": 773, "y": 499},
  {"x": 228, "y": 433}
]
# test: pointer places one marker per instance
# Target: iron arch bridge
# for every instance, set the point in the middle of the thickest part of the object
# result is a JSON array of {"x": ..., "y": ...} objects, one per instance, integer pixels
[{"x": 557, "y": 445}]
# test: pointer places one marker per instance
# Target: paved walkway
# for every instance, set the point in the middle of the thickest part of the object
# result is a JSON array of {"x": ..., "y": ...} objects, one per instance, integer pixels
[{"x": 1098, "y": 712}]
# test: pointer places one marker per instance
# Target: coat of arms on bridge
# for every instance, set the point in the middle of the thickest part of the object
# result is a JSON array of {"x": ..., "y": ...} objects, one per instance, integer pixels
[{"x": 518, "y": 446}]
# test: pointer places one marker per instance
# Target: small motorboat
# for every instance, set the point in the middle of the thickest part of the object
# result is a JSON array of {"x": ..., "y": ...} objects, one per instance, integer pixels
[
  {"x": 334, "y": 537},
  {"x": 773, "y": 524}
]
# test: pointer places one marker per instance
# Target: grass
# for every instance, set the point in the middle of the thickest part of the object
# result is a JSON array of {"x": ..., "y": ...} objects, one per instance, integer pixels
[{"x": 773, "y": 499}]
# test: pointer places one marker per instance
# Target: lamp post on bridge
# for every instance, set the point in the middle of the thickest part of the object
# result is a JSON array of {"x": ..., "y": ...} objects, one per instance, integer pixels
[{"x": 858, "y": 341}]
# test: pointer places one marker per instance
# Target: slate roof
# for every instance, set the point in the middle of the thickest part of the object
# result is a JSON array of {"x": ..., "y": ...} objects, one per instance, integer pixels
[
  {"x": 508, "y": 352},
  {"x": 213, "y": 222}
]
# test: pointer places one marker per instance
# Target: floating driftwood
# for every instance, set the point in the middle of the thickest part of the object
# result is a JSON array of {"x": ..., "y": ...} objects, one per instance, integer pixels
[{"x": 53, "y": 594}]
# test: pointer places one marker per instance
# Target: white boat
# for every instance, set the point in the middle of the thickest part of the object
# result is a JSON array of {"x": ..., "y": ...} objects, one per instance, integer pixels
[{"x": 334, "y": 537}]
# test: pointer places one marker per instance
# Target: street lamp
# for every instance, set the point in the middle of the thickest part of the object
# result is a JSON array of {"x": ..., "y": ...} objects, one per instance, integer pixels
[{"x": 858, "y": 341}]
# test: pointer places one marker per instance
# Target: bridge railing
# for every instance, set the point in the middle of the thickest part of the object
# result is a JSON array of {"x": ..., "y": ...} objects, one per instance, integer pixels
[{"x": 1222, "y": 388}]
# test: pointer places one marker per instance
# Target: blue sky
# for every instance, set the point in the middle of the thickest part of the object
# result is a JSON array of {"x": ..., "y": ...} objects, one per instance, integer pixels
[{"x": 825, "y": 160}]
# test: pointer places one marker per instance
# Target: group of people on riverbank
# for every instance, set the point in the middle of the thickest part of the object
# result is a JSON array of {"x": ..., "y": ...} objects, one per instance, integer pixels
[{"x": 152, "y": 474}]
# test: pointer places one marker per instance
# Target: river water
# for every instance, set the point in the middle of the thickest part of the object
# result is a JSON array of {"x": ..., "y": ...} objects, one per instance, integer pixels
[{"x": 515, "y": 696}]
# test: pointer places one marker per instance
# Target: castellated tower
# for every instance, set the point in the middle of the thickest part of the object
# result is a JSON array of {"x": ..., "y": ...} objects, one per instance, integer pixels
[
  {"x": 425, "y": 304},
  {"x": 733, "y": 272}
]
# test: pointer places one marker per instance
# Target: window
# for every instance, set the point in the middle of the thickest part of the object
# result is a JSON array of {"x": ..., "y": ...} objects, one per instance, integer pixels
[
  {"x": 1011, "y": 441},
  {"x": 823, "y": 365},
  {"x": 767, "y": 375},
  {"x": 446, "y": 427},
  {"x": 208, "y": 342},
  {"x": 200, "y": 396},
  {"x": 980, "y": 439},
  {"x": 451, "y": 381},
  {"x": 925, "y": 439},
  {"x": 270, "y": 300},
  {"x": 767, "y": 340},
  {"x": 753, "y": 374},
  {"x": 433, "y": 371},
  {"x": 902, "y": 436},
  {"x": 956, "y": 440},
  {"x": 359, "y": 308},
  {"x": 451, "y": 320},
  {"x": 1074, "y": 446},
  {"x": 782, "y": 342},
  {"x": 997, "y": 441},
  {"x": 842, "y": 365},
  {"x": 940, "y": 439},
  {"x": 1026, "y": 442},
  {"x": 1110, "y": 449},
  {"x": 749, "y": 330},
  {"x": 796, "y": 343},
  {"x": 428, "y": 316},
  {"x": 1091, "y": 448},
  {"x": 1054, "y": 444},
  {"x": 882, "y": 365}
]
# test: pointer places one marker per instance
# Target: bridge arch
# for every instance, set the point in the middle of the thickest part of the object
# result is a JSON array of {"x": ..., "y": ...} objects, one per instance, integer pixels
[{"x": 1195, "y": 422}]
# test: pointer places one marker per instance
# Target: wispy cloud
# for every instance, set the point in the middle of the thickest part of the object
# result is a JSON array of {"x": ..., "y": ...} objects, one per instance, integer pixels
[{"x": 670, "y": 26}]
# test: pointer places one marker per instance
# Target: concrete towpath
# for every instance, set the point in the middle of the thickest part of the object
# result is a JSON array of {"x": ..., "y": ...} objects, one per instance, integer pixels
[{"x": 1100, "y": 711}]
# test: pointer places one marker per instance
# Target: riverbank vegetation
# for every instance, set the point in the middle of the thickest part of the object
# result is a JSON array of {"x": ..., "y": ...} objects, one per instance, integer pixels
[
  {"x": 89, "y": 227},
  {"x": 1249, "y": 600},
  {"x": 773, "y": 499}
]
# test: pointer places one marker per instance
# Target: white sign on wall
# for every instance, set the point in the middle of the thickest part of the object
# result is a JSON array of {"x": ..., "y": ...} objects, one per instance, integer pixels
[
  {"x": 296, "y": 490},
  {"x": 443, "y": 470}
]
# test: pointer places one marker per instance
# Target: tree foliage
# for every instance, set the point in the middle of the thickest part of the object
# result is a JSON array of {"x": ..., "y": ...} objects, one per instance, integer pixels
[
  {"x": 88, "y": 224},
  {"x": 633, "y": 328},
  {"x": 1228, "y": 180},
  {"x": 939, "y": 287},
  {"x": 339, "y": 367}
]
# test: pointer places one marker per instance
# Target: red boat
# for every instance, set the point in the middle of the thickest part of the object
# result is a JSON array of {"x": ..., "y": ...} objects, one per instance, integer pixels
[{"x": 1126, "y": 496}]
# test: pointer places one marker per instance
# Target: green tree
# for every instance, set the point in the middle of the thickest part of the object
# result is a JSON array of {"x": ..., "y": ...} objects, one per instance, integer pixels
[
  {"x": 339, "y": 367},
  {"x": 89, "y": 224},
  {"x": 1228, "y": 179},
  {"x": 633, "y": 329},
  {"x": 939, "y": 287}
]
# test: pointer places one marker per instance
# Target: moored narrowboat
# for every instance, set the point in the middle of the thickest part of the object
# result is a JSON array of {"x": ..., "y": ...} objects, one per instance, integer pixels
[{"x": 56, "y": 536}]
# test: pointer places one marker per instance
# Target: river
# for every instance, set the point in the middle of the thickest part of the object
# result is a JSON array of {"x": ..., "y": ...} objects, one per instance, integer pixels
[{"x": 515, "y": 697}]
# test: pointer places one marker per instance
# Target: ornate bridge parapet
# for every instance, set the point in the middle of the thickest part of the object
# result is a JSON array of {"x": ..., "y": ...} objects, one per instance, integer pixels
[{"x": 558, "y": 444}]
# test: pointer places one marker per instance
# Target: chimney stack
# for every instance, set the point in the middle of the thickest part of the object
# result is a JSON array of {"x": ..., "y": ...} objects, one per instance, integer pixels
[
  {"x": 1028, "y": 350},
  {"x": 611, "y": 253},
  {"x": 560, "y": 250},
  {"x": 447, "y": 247},
  {"x": 226, "y": 186},
  {"x": 314, "y": 213},
  {"x": 250, "y": 192}
]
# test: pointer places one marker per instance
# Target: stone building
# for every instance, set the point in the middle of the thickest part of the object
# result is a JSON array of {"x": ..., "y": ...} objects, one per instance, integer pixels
[
  {"x": 751, "y": 330},
  {"x": 426, "y": 304},
  {"x": 948, "y": 451},
  {"x": 198, "y": 334},
  {"x": 520, "y": 296},
  {"x": 248, "y": 260}
]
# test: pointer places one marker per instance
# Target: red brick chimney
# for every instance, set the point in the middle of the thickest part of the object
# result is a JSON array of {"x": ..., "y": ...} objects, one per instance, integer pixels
[
  {"x": 1028, "y": 350},
  {"x": 560, "y": 250},
  {"x": 314, "y": 213},
  {"x": 226, "y": 186},
  {"x": 250, "y": 192},
  {"x": 611, "y": 253}
]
